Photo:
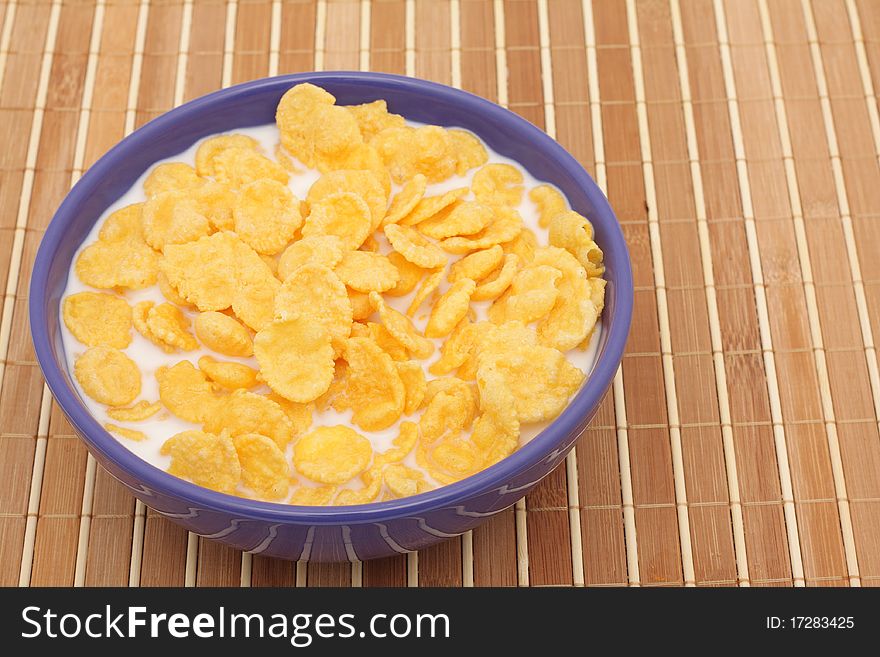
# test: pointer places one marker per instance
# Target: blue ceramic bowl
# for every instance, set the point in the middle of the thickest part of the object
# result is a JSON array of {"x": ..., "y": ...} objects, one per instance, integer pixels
[{"x": 328, "y": 533}]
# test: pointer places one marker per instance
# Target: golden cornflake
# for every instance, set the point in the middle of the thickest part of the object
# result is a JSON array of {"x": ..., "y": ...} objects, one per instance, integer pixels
[
  {"x": 477, "y": 265},
  {"x": 365, "y": 495},
  {"x": 361, "y": 183},
  {"x": 574, "y": 233},
  {"x": 209, "y": 149},
  {"x": 186, "y": 392},
  {"x": 323, "y": 250},
  {"x": 404, "y": 481},
  {"x": 406, "y": 199},
  {"x": 409, "y": 275},
  {"x": 540, "y": 379},
  {"x": 505, "y": 227},
  {"x": 429, "y": 206},
  {"x": 172, "y": 176},
  {"x": 141, "y": 411},
  {"x": 427, "y": 288},
  {"x": 497, "y": 282},
  {"x": 361, "y": 308},
  {"x": 413, "y": 377},
  {"x": 345, "y": 215},
  {"x": 253, "y": 301},
  {"x": 531, "y": 295},
  {"x": 248, "y": 412},
  {"x": 459, "y": 348},
  {"x": 374, "y": 117},
  {"x": 498, "y": 185},
  {"x": 164, "y": 325},
  {"x": 375, "y": 391},
  {"x": 332, "y": 455},
  {"x": 266, "y": 215},
  {"x": 300, "y": 415},
  {"x": 204, "y": 272},
  {"x": 313, "y": 128},
  {"x": 367, "y": 272},
  {"x": 125, "y": 432},
  {"x": 469, "y": 151},
  {"x": 230, "y": 375},
  {"x": 450, "y": 309},
  {"x": 448, "y": 413},
  {"x": 523, "y": 246},
  {"x": 205, "y": 459},
  {"x": 173, "y": 217},
  {"x": 95, "y": 318},
  {"x": 414, "y": 247},
  {"x": 108, "y": 376},
  {"x": 295, "y": 357},
  {"x": 170, "y": 292},
  {"x": 120, "y": 258},
  {"x": 464, "y": 218},
  {"x": 549, "y": 201},
  {"x": 316, "y": 294},
  {"x": 308, "y": 496},
  {"x": 408, "y": 435},
  {"x": 236, "y": 167},
  {"x": 223, "y": 334},
  {"x": 379, "y": 334},
  {"x": 264, "y": 468},
  {"x": 407, "y": 151},
  {"x": 401, "y": 328}
]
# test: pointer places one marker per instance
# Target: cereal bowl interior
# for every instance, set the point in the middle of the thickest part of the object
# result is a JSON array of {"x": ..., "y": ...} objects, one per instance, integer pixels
[{"x": 328, "y": 533}]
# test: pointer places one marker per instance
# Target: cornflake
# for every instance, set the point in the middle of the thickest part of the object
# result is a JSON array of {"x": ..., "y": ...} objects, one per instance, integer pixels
[
  {"x": 120, "y": 258},
  {"x": 206, "y": 459},
  {"x": 223, "y": 334},
  {"x": 414, "y": 247},
  {"x": 332, "y": 455},
  {"x": 361, "y": 183},
  {"x": 345, "y": 215},
  {"x": 248, "y": 412},
  {"x": 316, "y": 294},
  {"x": 96, "y": 318},
  {"x": 108, "y": 376},
  {"x": 266, "y": 216},
  {"x": 141, "y": 411},
  {"x": 367, "y": 272},
  {"x": 401, "y": 328},
  {"x": 406, "y": 199},
  {"x": 228, "y": 374},
  {"x": 409, "y": 275},
  {"x": 264, "y": 467},
  {"x": 186, "y": 392},
  {"x": 375, "y": 390},
  {"x": 450, "y": 308},
  {"x": 125, "y": 432},
  {"x": 295, "y": 357},
  {"x": 326, "y": 250}
]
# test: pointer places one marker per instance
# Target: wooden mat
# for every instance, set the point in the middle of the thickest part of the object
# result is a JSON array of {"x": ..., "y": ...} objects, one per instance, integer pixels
[{"x": 738, "y": 142}]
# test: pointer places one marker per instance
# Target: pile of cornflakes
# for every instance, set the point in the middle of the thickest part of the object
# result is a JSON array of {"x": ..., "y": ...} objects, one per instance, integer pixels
[{"x": 372, "y": 301}]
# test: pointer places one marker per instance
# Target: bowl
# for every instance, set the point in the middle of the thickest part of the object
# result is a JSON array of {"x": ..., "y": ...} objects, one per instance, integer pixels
[{"x": 346, "y": 532}]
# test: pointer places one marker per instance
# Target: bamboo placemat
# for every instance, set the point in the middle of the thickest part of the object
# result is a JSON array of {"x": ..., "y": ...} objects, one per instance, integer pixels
[{"x": 738, "y": 142}]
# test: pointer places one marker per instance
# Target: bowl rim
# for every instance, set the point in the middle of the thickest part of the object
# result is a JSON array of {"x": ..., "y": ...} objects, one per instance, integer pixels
[{"x": 493, "y": 478}]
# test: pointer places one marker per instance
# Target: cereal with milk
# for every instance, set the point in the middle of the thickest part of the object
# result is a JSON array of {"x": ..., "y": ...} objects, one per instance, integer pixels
[{"x": 339, "y": 308}]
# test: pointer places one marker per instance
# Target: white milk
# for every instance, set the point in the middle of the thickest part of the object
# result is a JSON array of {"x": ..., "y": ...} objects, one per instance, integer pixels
[{"x": 150, "y": 357}]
